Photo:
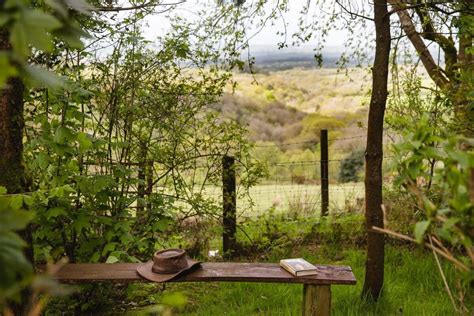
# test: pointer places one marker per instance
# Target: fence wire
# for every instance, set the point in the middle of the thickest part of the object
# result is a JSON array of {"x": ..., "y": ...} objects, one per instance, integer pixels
[{"x": 293, "y": 189}]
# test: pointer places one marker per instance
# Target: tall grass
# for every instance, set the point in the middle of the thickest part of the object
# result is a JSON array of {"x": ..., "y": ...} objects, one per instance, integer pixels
[
  {"x": 412, "y": 287},
  {"x": 412, "y": 283}
]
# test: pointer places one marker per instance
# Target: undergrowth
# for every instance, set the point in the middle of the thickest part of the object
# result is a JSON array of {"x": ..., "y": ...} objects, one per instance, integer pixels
[{"x": 412, "y": 283}]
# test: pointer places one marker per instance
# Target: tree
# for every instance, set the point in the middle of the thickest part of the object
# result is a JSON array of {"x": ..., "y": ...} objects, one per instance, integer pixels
[
  {"x": 374, "y": 271},
  {"x": 449, "y": 25},
  {"x": 22, "y": 26},
  {"x": 12, "y": 172},
  {"x": 374, "y": 150}
]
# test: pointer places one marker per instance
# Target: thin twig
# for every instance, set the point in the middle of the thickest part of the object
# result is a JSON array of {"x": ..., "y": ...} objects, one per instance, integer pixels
[
  {"x": 447, "y": 256},
  {"x": 443, "y": 276}
]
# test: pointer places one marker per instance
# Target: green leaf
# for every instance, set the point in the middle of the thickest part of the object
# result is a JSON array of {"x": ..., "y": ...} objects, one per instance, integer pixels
[
  {"x": 112, "y": 259},
  {"x": 58, "y": 6},
  {"x": 55, "y": 212},
  {"x": 84, "y": 142},
  {"x": 81, "y": 223},
  {"x": 7, "y": 69},
  {"x": 41, "y": 76},
  {"x": 102, "y": 183},
  {"x": 18, "y": 39},
  {"x": 62, "y": 135},
  {"x": 450, "y": 222},
  {"x": 4, "y": 18},
  {"x": 42, "y": 160},
  {"x": 28, "y": 200},
  {"x": 16, "y": 202},
  {"x": 41, "y": 40},
  {"x": 95, "y": 257},
  {"x": 80, "y": 6},
  {"x": 36, "y": 19},
  {"x": 15, "y": 219},
  {"x": 3, "y": 190},
  {"x": 161, "y": 224},
  {"x": 72, "y": 36},
  {"x": 108, "y": 248},
  {"x": 420, "y": 230}
]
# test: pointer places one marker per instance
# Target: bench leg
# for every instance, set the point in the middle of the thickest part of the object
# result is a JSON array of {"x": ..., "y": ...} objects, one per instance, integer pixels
[{"x": 316, "y": 300}]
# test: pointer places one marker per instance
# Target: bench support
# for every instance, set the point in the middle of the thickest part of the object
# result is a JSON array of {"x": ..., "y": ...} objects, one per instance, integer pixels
[{"x": 316, "y": 300}]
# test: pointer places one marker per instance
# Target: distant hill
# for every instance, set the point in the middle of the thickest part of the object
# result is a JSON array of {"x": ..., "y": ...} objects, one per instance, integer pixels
[
  {"x": 269, "y": 58},
  {"x": 293, "y": 105}
]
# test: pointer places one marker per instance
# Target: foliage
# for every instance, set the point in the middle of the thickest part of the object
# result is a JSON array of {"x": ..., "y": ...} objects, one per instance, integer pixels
[
  {"x": 411, "y": 101},
  {"x": 447, "y": 227},
  {"x": 27, "y": 27},
  {"x": 351, "y": 166},
  {"x": 123, "y": 153},
  {"x": 12, "y": 259},
  {"x": 34, "y": 27}
]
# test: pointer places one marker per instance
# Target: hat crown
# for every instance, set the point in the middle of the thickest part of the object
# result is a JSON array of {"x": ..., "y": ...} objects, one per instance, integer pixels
[{"x": 169, "y": 261}]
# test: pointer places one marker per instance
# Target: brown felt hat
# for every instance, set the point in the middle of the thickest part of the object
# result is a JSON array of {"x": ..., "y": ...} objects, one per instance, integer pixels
[{"x": 166, "y": 264}]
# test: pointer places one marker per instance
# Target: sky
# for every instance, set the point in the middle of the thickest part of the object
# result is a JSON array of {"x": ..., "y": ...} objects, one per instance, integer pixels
[{"x": 265, "y": 41}]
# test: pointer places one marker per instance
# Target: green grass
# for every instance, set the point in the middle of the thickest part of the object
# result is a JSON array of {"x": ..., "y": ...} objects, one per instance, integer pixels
[
  {"x": 304, "y": 199},
  {"x": 412, "y": 287}
]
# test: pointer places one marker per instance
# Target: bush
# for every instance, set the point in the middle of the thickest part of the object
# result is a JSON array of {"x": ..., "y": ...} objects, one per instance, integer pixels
[{"x": 351, "y": 166}]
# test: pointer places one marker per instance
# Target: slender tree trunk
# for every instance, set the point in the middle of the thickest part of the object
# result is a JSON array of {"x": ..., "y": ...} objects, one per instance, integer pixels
[
  {"x": 12, "y": 170},
  {"x": 374, "y": 273},
  {"x": 463, "y": 99}
]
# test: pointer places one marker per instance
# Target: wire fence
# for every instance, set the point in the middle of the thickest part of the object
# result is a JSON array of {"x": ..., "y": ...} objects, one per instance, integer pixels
[{"x": 294, "y": 188}]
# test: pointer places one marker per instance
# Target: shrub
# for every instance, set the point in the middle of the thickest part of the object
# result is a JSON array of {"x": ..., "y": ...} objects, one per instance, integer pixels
[{"x": 351, "y": 166}]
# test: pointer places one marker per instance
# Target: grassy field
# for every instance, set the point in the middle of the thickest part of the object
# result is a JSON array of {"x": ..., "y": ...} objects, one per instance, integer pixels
[
  {"x": 299, "y": 200},
  {"x": 412, "y": 287}
]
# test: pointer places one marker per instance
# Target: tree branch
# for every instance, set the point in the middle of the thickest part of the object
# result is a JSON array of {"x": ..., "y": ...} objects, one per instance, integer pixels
[
  {"x": 353, "y": 14},
  {"x": 408, "y": 26},
  {"x": 446, "y": 44},
  {"x": 137, "y": 7}
]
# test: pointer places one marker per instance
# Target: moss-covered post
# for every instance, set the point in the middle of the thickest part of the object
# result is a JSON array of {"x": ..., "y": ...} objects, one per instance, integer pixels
[
  {"x": 324, "y": 173},
  {"x": 229, "y": 206}
]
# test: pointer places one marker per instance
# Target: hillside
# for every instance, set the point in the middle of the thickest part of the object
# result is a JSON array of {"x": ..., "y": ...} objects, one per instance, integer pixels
[
  {"x": 325, "y": 91},
  {"x": 293, "y": 105}
]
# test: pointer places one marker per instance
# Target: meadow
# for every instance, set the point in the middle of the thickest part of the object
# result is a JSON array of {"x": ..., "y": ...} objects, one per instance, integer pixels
[
  {"x": 294, "y": 200},
  {"x": 412, "y": 284}
]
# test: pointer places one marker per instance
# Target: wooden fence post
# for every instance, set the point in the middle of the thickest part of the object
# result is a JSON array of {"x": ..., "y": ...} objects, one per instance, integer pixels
[
  {"x": 324, "y": 173},
  {"x": 229, "y": 206}
]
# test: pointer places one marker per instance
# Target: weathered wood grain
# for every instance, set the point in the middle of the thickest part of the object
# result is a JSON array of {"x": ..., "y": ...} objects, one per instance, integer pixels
[
  {"x": 316, "y": 300},
  {"x": 206, "y": 272}
]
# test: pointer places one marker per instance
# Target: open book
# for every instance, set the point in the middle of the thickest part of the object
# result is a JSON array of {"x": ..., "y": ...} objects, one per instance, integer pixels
[{"x": 298, "y": 267}]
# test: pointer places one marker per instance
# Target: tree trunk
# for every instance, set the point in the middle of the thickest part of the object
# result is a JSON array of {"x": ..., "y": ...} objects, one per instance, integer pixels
[
  {"x": 456, "y": 78},
  {"x": 463, "y": 99},
  {"x": 12, "y": 170},
  {"x": 12, "y": 173},
  {"x": 374, "y": 273}
]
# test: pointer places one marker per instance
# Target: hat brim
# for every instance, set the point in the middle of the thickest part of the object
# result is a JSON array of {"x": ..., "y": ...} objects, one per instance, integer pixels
[{"x": 144, "y": 270}]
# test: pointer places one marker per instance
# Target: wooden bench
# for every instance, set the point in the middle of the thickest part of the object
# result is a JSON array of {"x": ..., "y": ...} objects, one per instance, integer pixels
[{"x": 316, "y": 289}]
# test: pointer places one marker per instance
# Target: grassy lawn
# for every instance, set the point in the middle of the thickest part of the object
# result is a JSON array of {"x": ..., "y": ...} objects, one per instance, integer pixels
[{"x": 413, "y": 287}]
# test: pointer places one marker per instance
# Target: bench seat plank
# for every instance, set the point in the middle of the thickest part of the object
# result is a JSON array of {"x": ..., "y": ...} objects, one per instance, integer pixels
[{"x": 207, "y": 272}]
